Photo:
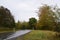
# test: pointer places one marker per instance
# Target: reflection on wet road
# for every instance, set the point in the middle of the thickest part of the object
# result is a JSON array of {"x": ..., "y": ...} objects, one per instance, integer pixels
[{"x": 17, "y": 34}]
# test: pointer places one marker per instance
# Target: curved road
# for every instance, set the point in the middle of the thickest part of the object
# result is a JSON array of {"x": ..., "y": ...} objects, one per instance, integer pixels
[{"x": 17, "y": 34}]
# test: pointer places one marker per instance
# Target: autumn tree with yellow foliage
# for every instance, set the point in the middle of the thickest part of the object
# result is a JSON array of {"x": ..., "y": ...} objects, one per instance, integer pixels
[{"x": 46, "y": 18}]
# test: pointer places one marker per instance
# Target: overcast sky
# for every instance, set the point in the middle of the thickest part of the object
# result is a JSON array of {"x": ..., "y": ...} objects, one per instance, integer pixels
[{"x": 24, "y": 9}]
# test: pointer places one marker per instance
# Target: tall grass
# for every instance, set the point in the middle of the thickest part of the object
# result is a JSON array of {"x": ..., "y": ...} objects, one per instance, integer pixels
[
  {"x": 3, "y": 30},
  {"x": 40, "y": 35}
]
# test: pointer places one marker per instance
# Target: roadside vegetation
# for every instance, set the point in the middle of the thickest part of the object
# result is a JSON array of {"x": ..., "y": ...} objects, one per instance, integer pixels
[
  {"x": 7, "y": 22},
  {"x": 6, "y": 30},
  {"x": 39, "y": 35}
]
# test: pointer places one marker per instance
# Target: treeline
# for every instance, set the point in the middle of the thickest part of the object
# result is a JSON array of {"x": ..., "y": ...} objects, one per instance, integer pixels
[
  {"x": 49, "y": 19},
  {"x": 27, "y": 25}
]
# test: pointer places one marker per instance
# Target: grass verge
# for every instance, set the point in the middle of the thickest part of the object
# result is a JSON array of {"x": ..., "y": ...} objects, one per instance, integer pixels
[
  {"x": 3, "y": 30},
  {"x": 39, "y": 35}
]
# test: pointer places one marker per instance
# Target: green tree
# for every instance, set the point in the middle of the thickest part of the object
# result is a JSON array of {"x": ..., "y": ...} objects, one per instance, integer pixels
[
  {"x": 57, "y": 12},
  {"x": 25, "y": 25},
  {"x": 6, "y": 18},
  {"x": 32, "y": 23},
  {"x": 22, "y": 25},
  {"x": 18, "y": 25}
]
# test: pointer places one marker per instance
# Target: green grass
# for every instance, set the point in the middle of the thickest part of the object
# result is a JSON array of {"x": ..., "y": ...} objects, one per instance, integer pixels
[
  {"x": 39, "y": 35},
  {"x": 3, "y": 30}
]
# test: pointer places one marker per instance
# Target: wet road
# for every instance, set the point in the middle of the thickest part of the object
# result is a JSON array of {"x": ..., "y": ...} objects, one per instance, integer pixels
[
  {"x": 5, "y": 35},
  {"x": 17, "y": 34}
]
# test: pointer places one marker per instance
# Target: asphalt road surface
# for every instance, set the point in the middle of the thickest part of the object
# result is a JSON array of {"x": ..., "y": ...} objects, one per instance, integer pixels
[{"x": 17, "y": 34}]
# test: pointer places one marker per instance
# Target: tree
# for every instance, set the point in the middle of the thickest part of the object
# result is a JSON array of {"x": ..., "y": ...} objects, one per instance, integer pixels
[
  {"x": 18, "y": 25},
  {"x": 6, "y": 18},
  {"x": 47, "y": 18},
  {"x": 57, "y": 12},
  {"x": 32, "y": 23},
  {"x": 22, "y": 25},
  {"x": 25, "y": 25}
]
